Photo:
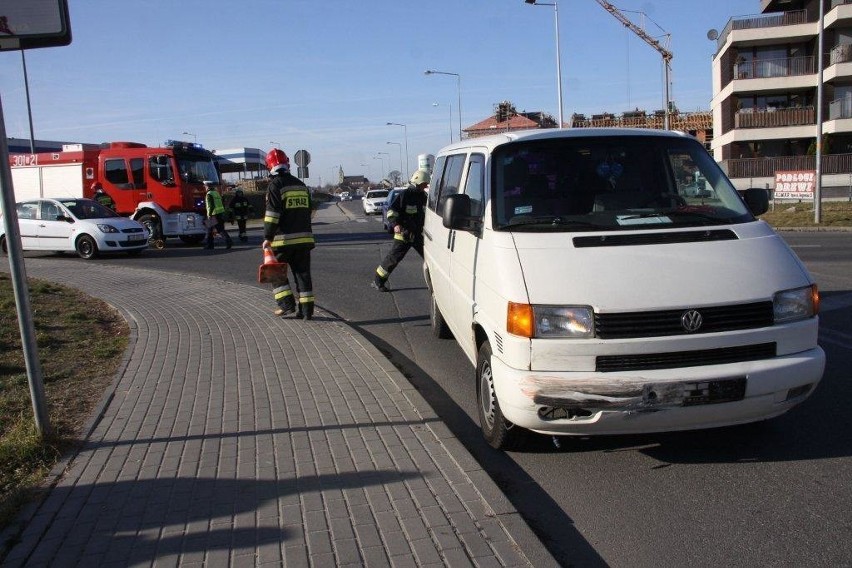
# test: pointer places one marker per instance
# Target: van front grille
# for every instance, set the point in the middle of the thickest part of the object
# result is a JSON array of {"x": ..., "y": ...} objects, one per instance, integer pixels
[
  {"x": 643, "y": 362},
  {"x": 670, "y": 322}
]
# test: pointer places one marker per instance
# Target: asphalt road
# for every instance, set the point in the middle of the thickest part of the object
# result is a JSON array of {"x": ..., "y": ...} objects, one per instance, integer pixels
[{"x": 777, "y": 493}]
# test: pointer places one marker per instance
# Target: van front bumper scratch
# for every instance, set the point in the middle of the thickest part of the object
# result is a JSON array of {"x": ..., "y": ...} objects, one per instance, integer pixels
[{"x": 661, "y": 400}]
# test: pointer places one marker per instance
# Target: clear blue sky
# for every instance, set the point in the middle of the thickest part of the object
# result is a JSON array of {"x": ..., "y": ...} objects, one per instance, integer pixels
[{"x": 327, "y": 75}]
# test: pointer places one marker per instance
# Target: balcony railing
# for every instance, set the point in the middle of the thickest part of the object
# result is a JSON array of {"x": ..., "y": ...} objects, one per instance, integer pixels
[
  {"x": 761, "y": 21},
  {"x": 770, "y": 117},
  {"x": 840, "y": 108},
  {"x": 766, "y": 167},
  {"x": 840, "y": 54},
  {"x": 769, "y": 68}
]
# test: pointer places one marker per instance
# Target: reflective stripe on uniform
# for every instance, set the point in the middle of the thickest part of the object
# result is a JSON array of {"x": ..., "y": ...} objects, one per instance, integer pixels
[
  {"x": 306, "y": 297},
  {"x": 282, "y": 292},
  {"x": 392, "y": 214},
  {"x": 382, "y": 273},
  {"x": 411, "y": 209},
  {"x": 398, "y": 237},
  {"x": 292, "y": 239},
  {"x": 271, "y": 217}
]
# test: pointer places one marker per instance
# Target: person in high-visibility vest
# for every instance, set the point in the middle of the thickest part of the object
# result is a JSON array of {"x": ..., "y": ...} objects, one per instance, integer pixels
[
  {"x": 287, "y": 231},
  {"x": 406, "y": 215},
  {"x": 215, "y": 217}
]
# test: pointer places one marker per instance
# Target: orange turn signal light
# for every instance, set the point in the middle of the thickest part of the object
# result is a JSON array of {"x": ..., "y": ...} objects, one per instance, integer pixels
[
  {"x": 815, "y": 298},
  {"x": 520, "y": 320}
]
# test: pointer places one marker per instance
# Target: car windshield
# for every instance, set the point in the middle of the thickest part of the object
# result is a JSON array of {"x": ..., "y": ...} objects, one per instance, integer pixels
[
  {"x": 88, "y": 209},
  {"x": 375, "y": 194},
  {"x": 610, "y": 183}
]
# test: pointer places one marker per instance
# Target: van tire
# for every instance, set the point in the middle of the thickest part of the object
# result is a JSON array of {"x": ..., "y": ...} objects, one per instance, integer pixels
[
  {"x": 498, "y": 432},
  {"x": 440, "y": 329}
]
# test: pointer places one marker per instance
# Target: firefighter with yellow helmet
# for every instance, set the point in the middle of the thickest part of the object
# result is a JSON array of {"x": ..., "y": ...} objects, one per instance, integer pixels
[
  {"x": 406, "y": 215},
  {"x": 287, "y": 231}
]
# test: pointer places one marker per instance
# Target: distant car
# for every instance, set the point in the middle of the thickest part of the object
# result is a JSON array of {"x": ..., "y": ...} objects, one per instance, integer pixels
[
  {"x": 345, "y": 196},
  {"x": 373, "y": 201},
  {"x": 391, "y": 194},
  {"x": 76, "y": 225}
]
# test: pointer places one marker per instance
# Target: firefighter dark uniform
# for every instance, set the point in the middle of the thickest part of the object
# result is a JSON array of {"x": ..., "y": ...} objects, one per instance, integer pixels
[
  {"x": 215, "y": 216},
  {"x": 241, "y": 209},
  {"x": 406, "y": 214},
  {"x": 287, "y": 229}
]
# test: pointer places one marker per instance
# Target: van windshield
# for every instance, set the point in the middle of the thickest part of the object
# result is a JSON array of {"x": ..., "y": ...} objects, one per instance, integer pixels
[{"x": 610, "y": 183}]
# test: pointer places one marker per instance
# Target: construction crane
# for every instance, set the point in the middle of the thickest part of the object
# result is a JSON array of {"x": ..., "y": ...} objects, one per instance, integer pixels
[{"x": 664, "y": 52}]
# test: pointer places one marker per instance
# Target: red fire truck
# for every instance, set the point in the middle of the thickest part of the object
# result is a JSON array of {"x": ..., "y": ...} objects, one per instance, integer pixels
[{"x": 162, "y": 188}]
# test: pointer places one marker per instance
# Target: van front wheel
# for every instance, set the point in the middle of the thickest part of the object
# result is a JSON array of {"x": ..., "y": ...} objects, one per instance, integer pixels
[{"x": 498, "y": 432}]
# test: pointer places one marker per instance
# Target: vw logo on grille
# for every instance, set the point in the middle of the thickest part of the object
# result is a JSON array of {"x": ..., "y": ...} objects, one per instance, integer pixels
[{"x": 691, "y": 320}]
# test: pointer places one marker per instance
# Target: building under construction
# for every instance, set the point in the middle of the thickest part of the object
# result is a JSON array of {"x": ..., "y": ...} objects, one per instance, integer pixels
[{"x": 507, "y": 118}]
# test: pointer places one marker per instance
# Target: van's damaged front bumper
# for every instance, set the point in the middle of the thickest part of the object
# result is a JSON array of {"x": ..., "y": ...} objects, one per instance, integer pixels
[{"x": 656, "y": 401}]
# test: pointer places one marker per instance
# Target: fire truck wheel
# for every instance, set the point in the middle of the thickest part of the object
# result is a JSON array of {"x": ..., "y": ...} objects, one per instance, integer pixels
[
  {"x": 152, "y": 223},
  {"x": 86, "y": 247}
]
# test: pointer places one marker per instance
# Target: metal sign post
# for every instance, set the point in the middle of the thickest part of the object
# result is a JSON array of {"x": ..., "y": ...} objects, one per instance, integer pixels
[{"x": 26, "y": 25}]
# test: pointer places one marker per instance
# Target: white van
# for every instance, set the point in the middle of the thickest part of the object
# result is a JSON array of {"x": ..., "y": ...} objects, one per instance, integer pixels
[{"x": 596, "y": 291}]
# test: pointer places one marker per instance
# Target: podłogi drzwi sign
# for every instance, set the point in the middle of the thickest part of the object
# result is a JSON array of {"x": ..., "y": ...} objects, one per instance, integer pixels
[{"x": 795, "y": 184}]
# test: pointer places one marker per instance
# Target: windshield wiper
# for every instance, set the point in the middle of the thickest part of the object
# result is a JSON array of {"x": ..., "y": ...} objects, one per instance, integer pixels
[{"x": 548, "y": 220}]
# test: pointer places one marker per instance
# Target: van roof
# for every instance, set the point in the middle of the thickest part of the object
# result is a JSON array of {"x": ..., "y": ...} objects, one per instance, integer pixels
[{"x": 491, "y": 142}]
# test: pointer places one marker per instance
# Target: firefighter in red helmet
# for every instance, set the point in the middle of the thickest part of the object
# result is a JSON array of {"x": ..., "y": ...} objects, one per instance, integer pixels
[{"x": 287, "y": 230}]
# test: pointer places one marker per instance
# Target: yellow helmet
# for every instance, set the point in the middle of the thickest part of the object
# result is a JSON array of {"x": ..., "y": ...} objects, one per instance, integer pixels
[{"x": 420, "y": 176}]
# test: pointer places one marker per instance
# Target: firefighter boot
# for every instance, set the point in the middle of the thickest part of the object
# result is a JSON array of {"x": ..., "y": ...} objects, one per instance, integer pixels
[
  {"x": 306, "y": 311},
  {"x": 286, "y": 306},
  {"x": 380, "y": 284}
]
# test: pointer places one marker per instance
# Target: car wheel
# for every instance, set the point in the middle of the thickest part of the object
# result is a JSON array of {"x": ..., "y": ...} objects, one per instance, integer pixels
[
  {"x": 86, "y": 247},
  {"x": 436, "y": 319},
  {"x": 498, "y": 432}
]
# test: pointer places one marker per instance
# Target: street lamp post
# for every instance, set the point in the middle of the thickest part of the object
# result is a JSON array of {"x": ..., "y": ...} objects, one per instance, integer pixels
[
  {"x": 389, "y": 160},
  {"x": 558, "y": 62},
  {"x": 194, "y": 137},
  {"x": 451, "y": 118},
  {"x": 401, "y": 171},
  {"x": 458, "y": 82},
  {"x": 382, "y": 172},
  {"x": 405, "y": 131}
]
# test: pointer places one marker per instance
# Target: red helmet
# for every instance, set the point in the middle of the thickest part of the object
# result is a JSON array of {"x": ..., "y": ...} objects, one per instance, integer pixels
[{"x": 277, "y": 160}]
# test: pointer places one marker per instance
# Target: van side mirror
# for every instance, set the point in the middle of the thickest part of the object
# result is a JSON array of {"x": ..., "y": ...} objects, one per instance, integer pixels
[
  {"x": 457, "y": 214},
  {"x": 756, "y": 199}
]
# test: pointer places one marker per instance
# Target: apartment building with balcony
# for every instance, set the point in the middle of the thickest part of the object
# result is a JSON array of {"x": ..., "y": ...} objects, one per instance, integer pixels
[{"x": 765, "y": 85}]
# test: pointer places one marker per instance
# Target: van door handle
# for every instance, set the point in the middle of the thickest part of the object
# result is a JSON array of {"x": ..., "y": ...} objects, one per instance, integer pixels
[
  {"x": 449, "y": 239},
  {"x": 452, "y": 241}
]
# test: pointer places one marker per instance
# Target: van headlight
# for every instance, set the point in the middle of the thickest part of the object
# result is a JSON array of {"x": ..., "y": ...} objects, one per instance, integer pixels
[
  {"x": 533, "y": 321},
  {"x": 796, "y": 304}
]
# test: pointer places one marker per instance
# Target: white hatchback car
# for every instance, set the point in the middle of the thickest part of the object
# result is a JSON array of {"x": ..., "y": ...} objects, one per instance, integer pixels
[
  {"x": 373, "y": 201},
  {"x": 77, "y": 225}
]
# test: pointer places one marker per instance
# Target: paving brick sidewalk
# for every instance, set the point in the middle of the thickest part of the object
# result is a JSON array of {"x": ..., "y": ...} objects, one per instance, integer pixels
[{"x": 248, "y": 440}]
